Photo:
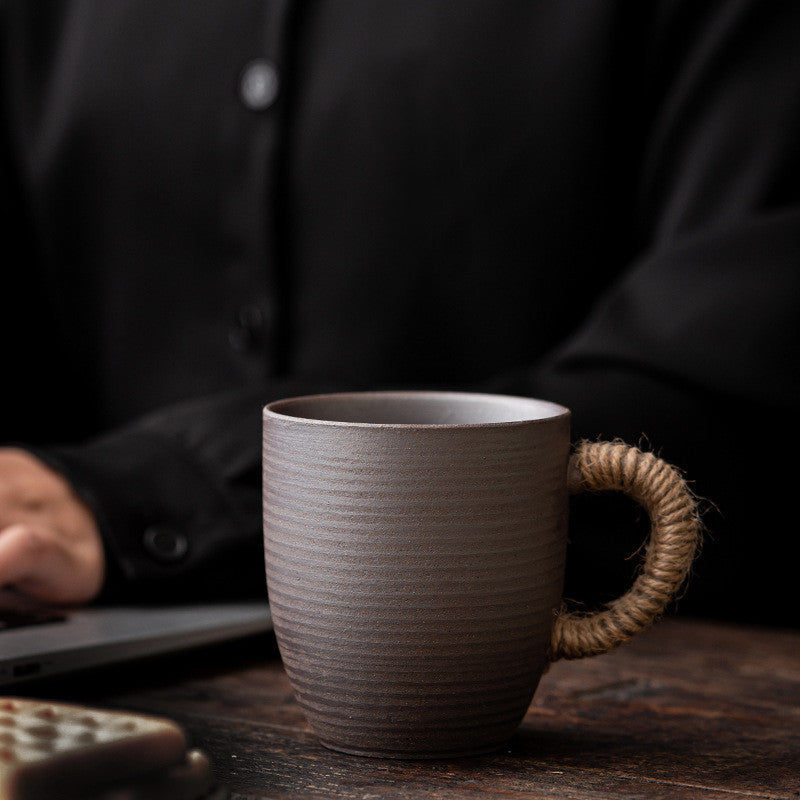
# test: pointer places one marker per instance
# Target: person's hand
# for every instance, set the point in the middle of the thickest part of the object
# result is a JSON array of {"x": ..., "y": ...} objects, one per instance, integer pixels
[{"x": 50, "y": 545}]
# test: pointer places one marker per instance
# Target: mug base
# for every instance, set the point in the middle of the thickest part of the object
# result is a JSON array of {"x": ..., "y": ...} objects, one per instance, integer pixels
[{"x": 410, "y": 755}]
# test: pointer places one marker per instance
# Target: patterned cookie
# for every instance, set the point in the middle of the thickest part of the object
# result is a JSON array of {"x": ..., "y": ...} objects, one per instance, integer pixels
[{"x": 55, "y": 750}]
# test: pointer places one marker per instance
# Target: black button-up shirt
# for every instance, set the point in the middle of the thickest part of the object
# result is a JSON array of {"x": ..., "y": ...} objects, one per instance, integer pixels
[{"x": 217, "y": 203}]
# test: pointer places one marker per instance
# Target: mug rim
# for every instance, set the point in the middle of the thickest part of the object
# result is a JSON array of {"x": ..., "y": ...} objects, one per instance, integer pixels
[{"x": 277, "y": 409}]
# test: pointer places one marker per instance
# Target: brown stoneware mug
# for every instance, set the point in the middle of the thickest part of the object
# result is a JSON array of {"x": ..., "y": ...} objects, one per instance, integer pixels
[{"x": 415, "y": 546}]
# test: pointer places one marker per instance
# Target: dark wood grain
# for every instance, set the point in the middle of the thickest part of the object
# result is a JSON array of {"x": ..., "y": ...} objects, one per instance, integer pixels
[{"x": 689, "y": 710}]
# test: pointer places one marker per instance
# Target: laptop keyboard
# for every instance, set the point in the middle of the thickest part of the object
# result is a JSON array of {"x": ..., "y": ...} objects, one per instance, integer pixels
[
  {"x": 19, "y": 612},
  {"x": 16, "y": 619}
]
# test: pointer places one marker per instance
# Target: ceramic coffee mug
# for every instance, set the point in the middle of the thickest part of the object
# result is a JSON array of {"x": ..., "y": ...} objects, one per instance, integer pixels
[{"x": 415, "y": 546}]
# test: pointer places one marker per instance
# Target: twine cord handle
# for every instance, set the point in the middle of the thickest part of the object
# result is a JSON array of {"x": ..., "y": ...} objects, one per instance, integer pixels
[{"x": 674, "y": 533}]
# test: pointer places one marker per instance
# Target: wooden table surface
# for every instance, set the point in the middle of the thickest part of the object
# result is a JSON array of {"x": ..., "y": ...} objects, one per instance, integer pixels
[{"x": 688, "y": 710}]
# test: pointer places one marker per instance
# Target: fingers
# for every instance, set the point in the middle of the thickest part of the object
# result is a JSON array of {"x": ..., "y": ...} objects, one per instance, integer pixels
[
  {"x": 50, "y": 544},
  {"x": 43, "y": 563},
  {"x": 31, "y": 491}
]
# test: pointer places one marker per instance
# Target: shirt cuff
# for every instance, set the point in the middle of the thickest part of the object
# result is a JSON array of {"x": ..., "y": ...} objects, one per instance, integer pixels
[{"x": 169, "y": 531}]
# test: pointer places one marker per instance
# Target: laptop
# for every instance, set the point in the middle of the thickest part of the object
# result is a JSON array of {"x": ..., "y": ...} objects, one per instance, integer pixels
[{"x": 38, "y": 641}]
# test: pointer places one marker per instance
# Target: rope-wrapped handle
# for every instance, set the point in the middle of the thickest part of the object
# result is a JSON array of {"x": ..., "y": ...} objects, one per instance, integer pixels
[{"x": 674, "y": 533}]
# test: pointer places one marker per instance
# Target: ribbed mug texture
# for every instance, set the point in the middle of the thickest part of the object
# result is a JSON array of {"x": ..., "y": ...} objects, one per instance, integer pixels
[{"x": 413, "y": 574}]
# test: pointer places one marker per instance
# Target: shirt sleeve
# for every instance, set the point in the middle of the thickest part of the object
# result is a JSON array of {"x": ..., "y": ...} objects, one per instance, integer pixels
[
  {"x": 694, "y": 349},
  {"x": 177, "y": 496}
]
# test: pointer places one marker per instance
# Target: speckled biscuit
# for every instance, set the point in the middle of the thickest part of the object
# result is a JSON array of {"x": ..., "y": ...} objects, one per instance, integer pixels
[{"x": 55, "y": 751}]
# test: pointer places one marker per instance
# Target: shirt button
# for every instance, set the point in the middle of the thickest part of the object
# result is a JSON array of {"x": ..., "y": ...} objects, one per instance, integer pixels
[
  {"x": 165, "y": 544},
  {"x": 258, "y": 84}
]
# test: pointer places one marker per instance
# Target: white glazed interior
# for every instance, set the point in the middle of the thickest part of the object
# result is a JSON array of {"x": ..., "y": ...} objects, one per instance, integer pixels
[{"x": 416, "y": 408}]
